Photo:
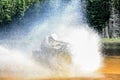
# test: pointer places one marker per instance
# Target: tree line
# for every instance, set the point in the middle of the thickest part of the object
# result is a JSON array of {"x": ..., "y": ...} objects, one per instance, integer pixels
[
  {"x": 104, "y": 16},
  {"x": 10, "y": 9},
  {"x": 100, "y": 13}
]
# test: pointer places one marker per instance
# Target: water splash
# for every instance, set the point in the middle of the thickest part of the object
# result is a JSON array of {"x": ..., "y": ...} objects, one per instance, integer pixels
[{"x": 67, "y": 22}]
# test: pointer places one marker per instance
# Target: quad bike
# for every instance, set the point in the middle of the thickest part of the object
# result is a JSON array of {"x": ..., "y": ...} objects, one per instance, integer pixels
[{"x": 53, "y": 52}]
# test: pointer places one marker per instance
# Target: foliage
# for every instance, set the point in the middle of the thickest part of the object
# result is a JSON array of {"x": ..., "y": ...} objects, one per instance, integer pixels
[
  {"x": 10, "y": 9},
  {"x": 98, "y": 13}
]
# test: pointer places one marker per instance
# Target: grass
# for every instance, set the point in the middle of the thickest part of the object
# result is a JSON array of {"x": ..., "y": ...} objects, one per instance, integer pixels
[
  {"x": 111, "y": 40},
  {"x": 114, "y": 43}
]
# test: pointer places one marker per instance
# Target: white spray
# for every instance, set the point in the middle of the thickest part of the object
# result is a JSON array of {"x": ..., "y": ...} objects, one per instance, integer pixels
[{"x": 69, "y": 27}]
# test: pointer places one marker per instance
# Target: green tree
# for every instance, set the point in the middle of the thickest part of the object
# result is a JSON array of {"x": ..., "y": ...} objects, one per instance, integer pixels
[
  {"x": 10, "y": 9},
  {"x": 98, "y": 13},
  {"x": 20, "y": 8}
]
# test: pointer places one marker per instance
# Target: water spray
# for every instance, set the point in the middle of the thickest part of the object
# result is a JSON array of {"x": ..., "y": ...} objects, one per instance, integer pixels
[{"x": 61, "y": 46}]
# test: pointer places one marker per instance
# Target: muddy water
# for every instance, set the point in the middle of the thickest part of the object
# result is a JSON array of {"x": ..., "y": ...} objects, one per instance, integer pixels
[
  {"x": 112, "y": 65},
  {"x": 111, "y": 71}
]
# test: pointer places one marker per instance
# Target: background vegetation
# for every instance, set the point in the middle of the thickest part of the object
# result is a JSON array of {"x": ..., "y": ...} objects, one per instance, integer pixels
[
  {"x": 98, "y": 11},
  {"x": 104, "y": 14},
  {"x": 10, "y": 9}
]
